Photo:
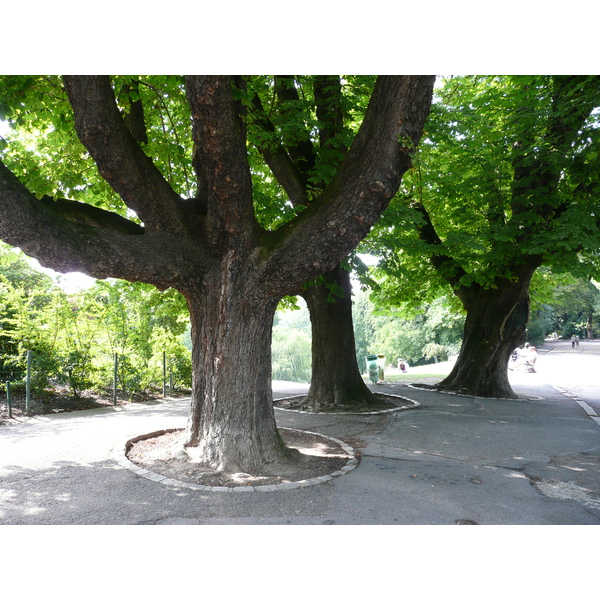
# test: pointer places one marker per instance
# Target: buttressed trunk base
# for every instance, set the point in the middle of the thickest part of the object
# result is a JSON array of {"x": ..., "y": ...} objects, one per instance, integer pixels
[
  {"x": 231, "y": 426},
  {"x": 495, "y": 325}
]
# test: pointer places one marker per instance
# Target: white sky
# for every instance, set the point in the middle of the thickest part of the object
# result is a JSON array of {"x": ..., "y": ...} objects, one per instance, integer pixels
[
  {"x": 460, "y": 37},
  {"x": 69, "y": 282}
]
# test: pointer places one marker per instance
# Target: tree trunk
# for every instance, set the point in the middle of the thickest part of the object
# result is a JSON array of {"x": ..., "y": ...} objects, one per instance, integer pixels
[
  {"x": 231, "y": 426},
  {"x": 336, "y": 379},
  {"x": 494, "y": 327}
]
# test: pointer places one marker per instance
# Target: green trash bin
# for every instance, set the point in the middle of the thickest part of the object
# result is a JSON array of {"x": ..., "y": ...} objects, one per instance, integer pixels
[{"x": 373, "y": 367}]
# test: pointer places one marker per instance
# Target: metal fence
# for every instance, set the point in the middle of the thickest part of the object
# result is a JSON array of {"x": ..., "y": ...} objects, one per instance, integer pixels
[
  {"x": 20, "y": 389},
  {"x": 16, "y": 390}
]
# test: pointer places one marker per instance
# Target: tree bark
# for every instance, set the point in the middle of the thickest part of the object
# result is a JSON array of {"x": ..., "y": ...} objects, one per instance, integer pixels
[
  {"x": 495, "y": 325},
  {"x": 231, "y": 425},
  {"x": 336, "y": 378}
]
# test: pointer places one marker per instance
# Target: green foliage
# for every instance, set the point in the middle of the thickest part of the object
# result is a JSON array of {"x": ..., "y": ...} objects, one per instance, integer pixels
[
  {"x": 418, "y": 336},
  {"x": 508, "y": 171},
  {"x": 167, "y": 118},
  {"x": 24, "y": 296},
  {"x": 291, "y": 344},
  {"x": 364, "y": 329},
  {"x": 43, "y": 150},
  {"x": 288, "y": 118},
  {"x": 73, "y": 338},
  {"x": 573, "y": 309},
  {"x": 397, "y": 338},
  {"x": 434, "y": 350},
  {"x": 140, "y": 324},
  {"x": 46, "y": 154},
  {"x": 166, "y": 342},
  {"x": 291, "y": 354},
  {"x": 540, "y": 325}
]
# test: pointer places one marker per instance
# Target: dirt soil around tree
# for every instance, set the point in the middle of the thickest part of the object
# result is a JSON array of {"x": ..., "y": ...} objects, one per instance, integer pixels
[{"x": 316, "y": 456}]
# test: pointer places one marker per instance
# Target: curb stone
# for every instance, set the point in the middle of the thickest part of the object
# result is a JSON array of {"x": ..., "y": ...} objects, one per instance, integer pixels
[
  {"x": 414, "y": 403},
  {"x": 119, "y": 454}
]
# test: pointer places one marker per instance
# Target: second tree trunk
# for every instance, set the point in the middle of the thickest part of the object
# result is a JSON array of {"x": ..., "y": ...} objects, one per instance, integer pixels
[{"x": 336, "y": 378}]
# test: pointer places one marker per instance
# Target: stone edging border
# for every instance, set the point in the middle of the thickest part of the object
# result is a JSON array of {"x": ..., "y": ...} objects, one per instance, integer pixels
[
  {"x": 120, "y": 455},
  {"x": 589, "y": 411},
  {"x": 519, "y": 399},
  {"x": 414, "y": 403}
]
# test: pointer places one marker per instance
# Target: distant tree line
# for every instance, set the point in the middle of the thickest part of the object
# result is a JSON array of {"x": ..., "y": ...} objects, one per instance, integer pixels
[{"x": 433, "y": 332}]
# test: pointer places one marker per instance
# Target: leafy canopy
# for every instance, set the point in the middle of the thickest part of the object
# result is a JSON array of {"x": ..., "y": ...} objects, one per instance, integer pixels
[{"x": 507, "y": 174}]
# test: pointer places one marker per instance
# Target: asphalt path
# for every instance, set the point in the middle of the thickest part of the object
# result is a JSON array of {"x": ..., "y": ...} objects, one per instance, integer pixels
[
  {"x": 453, "y": 460},
  {"x": 574, "y": 369}
]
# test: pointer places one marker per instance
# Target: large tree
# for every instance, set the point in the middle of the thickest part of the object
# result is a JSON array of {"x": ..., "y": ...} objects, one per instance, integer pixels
[
  {"x": 508, "y": 181},
  {"x": 211, "y": 247}
]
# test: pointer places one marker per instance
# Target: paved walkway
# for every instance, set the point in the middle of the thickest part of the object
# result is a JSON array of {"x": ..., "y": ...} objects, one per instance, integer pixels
[{"x": 454, "y": 460}]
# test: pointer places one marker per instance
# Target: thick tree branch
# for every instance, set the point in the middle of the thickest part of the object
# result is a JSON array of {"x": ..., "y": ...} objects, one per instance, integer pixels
[
  {"x": 221, "y": 158},
  {"x": 79, "y": 212},
  {"x": 293, "y": 174},
  {"x": 330, "y": 114},
  {"x": 331, "y": 227},
  {"x": 452, "y": 272},
  {"x": 301, "y": 150},
  {"x": 119, "y": 157},
  {"x": 90, "y": 240},
  {"x": 444, "y": 264},
  {"x": 134, "y": 118}
]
